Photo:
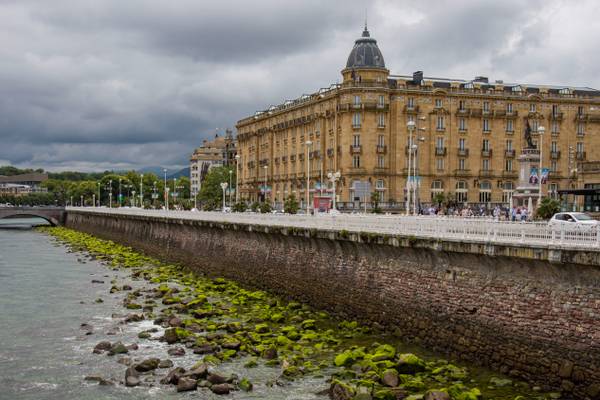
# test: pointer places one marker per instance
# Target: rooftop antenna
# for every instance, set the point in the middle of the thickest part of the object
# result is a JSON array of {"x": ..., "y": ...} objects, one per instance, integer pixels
[{"x": 366, "y": 17}]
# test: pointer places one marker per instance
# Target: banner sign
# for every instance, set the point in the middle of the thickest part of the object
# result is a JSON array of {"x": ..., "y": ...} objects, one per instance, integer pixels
[
  {"x": 545, "y": 172},
  {"x": 533, "y": 176}
]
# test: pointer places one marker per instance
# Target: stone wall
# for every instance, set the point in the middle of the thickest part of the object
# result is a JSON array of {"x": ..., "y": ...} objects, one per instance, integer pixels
[{"x": 527, "y": 317}]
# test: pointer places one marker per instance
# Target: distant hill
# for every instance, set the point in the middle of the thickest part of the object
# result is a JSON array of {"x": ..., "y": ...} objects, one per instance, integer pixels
[{"x": 182, "y": 172}]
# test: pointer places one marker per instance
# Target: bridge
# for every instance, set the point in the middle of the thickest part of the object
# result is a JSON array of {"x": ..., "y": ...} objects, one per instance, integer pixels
[{"x": 54, "y": 215}]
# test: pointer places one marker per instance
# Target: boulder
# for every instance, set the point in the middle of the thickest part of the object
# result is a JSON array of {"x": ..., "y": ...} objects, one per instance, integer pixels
[
  {"x": 436, "y": 395},
  {"x": 340, "y": 391},
  {"x": 173, "y": 376},
  {"x": 118, "y": 348},
  {"x": 170, "y": 336},
  {"x": 270, "y": 353},
  {"x": 176, "y": 351},
  {"x": 175, "y": 322},
  {"x": 216, "y": 379},
  {"x": 197, "y": 372},
  {"x": 410, "y": 364},
  {"x": 233, "y": 345},
  {"x": 102, "y": 347},
  {"x": 390, "y": 378},
  {"x": 165, "y": 364},
  {"x": 186, "y": 384},
  {"x": 147, "y": 365},
  {"x": 221, "y": 388},
  {"x": 132, "y": 377},
  {"x": 205, "y": 349}
]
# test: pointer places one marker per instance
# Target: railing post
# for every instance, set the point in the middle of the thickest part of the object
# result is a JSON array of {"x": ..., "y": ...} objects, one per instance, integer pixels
[{"x": 598, "y": 235}]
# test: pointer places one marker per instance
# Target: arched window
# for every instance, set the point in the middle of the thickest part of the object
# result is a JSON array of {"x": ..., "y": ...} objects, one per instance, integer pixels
[{"x": 436, "y": 187}]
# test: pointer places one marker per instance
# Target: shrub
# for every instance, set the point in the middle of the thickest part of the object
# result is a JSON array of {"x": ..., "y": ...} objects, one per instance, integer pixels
[
  {"x": 291, "y": 205},
  {"x": 265, "y": 208},
  {"x": 547, "y": 208},
  {"x": 254, "y": 206},
  {"x": 239, "y": 207}
]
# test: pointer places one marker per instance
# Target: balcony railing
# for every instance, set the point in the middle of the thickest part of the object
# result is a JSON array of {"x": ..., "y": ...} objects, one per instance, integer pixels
[
  {"x": 509, "y": 153},
  {"x": 440, "y": 151},
  {"x": 462, "y": 172},
  {"x": 486, "y": 173},
  {"x": 556, "y": 116},
  {"x": 411, "y": 110},
  {"x": 381, "y": 149},
  {"x": 462, "y": 152},
  {"x": 555, "y": 154},
  {"x": 580, "y": 155},
  {"x": 486, "y": 152},
  {"x": 356, "y": 126},
  {"x": 355, "y": 149}
]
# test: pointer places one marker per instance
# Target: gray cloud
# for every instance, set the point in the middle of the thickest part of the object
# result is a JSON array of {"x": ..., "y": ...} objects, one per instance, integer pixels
[{"x": 117, "y": 84}]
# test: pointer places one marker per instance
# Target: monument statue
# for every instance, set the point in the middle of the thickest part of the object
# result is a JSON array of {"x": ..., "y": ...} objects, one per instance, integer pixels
[{"x": 530, "y": 144}]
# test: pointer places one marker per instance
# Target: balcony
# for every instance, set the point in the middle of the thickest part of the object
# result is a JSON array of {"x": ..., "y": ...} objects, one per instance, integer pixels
[
  {"x": 293, "y": 158},
  {"x": 381, "y": 126},
  {"x": 554, "y": 175},
  {"x": 357, "y": 106},
  {"x": 356, "y": 126},
  {"x": 381, "y": 149},
  {"x": 440, "y": 151},
  {"x": 555, "y": 155},
  {"x": 580, "y": 155},
  {"x": 486, "y": 152},
  {"x": 510, "y": 174},
  {"x": 411, "y": 110},
  {"x": 462, "y": 152},
  {"x": 329, "y": 152},
  {"x": 486, "y": 173},
  {"x": 509, "y": 153},
  {"x": 355, "y": 149},
  {"x": 556, "y": 116},
  {"x": 462, "y": 172}
]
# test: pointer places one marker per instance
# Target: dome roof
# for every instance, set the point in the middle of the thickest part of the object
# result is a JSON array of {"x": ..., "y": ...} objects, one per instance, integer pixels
[{"x": 365, "y": 53}]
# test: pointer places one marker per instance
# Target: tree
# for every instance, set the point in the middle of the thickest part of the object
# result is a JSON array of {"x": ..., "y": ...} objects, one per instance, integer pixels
[
  {"x": 239, "y": 207},
  {"x": 290, "y": 205},
  {"x": 375, "y": 201},
  {"x": 439, "y": 198},
  {"x": 547, "y": 208},
  {"x": 211, "y": 190},
  {"x": 265, "y": 208}
]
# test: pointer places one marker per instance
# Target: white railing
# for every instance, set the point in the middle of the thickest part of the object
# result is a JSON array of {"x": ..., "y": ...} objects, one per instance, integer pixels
[{"x": 479, "y": 230}]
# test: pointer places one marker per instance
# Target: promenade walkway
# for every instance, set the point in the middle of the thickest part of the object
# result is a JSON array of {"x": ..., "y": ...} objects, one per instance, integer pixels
[{"x": 476, "y": 230}]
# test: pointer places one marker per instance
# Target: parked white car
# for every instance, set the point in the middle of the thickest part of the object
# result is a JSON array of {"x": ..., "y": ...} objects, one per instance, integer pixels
[{"x": 570, "y": 219}]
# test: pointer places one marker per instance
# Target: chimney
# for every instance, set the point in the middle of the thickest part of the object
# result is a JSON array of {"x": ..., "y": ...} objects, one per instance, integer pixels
[{"x": 417, "y": 77}]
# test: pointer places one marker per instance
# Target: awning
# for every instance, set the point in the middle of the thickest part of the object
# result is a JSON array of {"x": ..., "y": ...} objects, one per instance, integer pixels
[{"x": 580, "y": 192}]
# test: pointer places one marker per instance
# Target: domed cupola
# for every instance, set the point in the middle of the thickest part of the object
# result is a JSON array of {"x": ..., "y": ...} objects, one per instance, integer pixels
[{"x": 365, "y": 53}]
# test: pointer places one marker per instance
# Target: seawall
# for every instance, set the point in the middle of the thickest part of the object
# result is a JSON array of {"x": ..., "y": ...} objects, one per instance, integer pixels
[{"x": 520, "y": 314}]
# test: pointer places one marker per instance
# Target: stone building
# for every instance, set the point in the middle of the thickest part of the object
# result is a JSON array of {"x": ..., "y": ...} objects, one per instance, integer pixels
[
  {"x": 23, "y": 183},
  {"x": 468, "y": 136},
  {"x": 213, "y": 153}
]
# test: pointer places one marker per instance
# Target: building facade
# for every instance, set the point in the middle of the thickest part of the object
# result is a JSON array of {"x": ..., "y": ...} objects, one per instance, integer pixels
[
  {"x": 23, "y": 183},
  {"x": 465, "y": 143},
  {"x": 214, "y": 153}
]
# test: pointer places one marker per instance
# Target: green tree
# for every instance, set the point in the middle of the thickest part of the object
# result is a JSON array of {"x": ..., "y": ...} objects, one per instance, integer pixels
[
  {"x": 290, "y": 205},
  {"x": 547, "y": 208},
  {"x": 375, "y": 202},
  {"x": 265, "y": 208},
  {"x": 240, "y": 206},
  {"x": 211, "y": 190},
  {"x": 439, "y": 198}
]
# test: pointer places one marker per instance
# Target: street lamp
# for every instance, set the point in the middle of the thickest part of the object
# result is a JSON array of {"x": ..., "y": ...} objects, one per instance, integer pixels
[
  {"x": 120, "y": 196},
  {"x": 166, "y": 190},
  {"x": 154, "y": 195},
  {"x": 224, "y": 187},
  {"x": 81, "y": 200},
  {"x": 132, "y": 199},
  {"x": 141, "y": 190},
  {"x": 411, "y": 125},
  {"x": 333, "y": 178},
  {"x": 237, "y": 178},
  {"x": 98, "y": 194},
  {"x": 308, "y": 145},
  {"x": 229, "y": 189},
  {"x": 541, "y": 131},
  {"x": 265, "y": 186},
  {"x": 415, "y": 177}
]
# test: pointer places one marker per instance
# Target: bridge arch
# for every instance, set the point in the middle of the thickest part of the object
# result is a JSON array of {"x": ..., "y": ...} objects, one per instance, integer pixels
[{"x": 55, "y": 216}]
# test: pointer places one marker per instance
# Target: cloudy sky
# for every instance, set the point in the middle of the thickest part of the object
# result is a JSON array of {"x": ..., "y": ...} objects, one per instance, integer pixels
[{"x": 114, "y": 84}]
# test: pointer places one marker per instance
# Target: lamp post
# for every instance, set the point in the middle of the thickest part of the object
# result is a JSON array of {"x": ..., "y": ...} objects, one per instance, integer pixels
[
  {"x": 229, "y": 188},
  {"x": 141, "y": 190},
  {"x": 99, "y": 194},
  {"x": 237, "y": 178},
  {"x": 166, "y": 190},
  {"x": 333, "y": 178},
  {"x": 265, "y": 186},
  {"x": 541, "y": 131},
  {"x": 154, "y": 195},
  {"x": 120, "y": 197},
  {"x": 110, "y": 194},
  {"x": 415, "y": 177},
  {"x": 308, "y": 145},
  {"x": 224, "y": 187},
  {"x": 174, "y": 193},
  {"x": 81, "y": 200},
  {"x": 132, "y": 199},
  {"x": 94, "y": 200},
  {"x": 411, "y": 125}
]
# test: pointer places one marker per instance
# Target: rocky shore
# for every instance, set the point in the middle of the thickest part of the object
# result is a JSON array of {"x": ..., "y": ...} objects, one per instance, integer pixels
[{"x": 217, "y": 322}]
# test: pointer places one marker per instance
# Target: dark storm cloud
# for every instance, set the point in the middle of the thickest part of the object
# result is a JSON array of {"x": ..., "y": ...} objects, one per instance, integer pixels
[{"x": 92, "y": 84}]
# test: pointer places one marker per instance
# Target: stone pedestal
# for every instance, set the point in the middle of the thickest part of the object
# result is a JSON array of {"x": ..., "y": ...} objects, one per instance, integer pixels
[{"x": 527, "y": 193}]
